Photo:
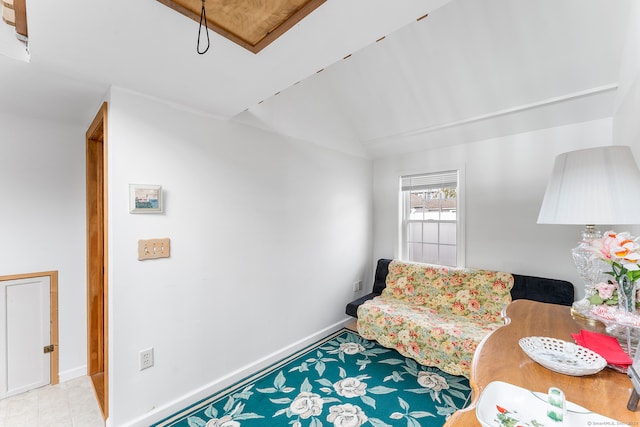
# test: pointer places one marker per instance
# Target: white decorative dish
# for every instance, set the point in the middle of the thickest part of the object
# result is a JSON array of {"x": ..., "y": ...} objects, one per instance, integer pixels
[
  {"x": 502, "y": 404},
  {"x": 561, "y": 356}
]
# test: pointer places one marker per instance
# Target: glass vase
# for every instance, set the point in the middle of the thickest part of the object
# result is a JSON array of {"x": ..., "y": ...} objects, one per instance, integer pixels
[
  {"x": 590, "y": 268},
  {"x": 627, "y": 302},
  {"x": 626, "y": 294}
]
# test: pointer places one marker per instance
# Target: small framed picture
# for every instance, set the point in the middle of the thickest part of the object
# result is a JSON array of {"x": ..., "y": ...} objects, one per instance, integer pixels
[{"x": 145, "y": 198}]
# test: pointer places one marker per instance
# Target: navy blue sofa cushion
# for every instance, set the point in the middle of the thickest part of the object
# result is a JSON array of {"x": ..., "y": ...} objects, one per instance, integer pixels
[{"x": 534, "y": 288}]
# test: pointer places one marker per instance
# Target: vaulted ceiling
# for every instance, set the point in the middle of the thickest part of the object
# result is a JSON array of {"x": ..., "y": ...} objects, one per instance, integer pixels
[{"x": 368, "y": 77}]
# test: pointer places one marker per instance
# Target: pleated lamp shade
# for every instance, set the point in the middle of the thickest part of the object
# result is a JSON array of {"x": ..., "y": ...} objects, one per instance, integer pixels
[{"x": 593, "y": 186}]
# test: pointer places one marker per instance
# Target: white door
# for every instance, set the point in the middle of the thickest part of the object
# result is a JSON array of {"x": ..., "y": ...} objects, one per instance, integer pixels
[{"x": 24, "y": 332}]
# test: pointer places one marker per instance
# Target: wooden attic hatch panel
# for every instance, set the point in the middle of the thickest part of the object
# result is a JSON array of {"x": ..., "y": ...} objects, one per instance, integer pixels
[
  {"x": 14, "y": 13},
  {"x": 253, "y": 24}
]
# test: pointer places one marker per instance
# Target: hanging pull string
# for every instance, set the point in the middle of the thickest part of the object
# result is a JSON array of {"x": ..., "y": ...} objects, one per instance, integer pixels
[{"x": 203, "y": 18}]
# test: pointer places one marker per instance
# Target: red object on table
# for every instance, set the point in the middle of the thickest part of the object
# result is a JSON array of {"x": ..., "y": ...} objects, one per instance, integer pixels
[{"x": 606, "y": 346}]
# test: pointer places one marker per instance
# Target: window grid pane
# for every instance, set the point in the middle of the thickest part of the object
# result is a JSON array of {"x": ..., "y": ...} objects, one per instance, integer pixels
[{"x": 430, "y": 220}]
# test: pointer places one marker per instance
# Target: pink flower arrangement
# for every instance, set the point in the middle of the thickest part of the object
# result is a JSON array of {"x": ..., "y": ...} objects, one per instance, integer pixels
[
  {"x": 605, "y": 290},
  {"x": 622, "y": 252},
  {"x": 607, "y": 293}
]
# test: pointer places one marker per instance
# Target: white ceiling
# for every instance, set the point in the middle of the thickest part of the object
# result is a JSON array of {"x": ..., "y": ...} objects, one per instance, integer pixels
[{"x": 472, "y": 69}]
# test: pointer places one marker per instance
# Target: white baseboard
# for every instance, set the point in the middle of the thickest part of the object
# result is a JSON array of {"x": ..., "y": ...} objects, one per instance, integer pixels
[
  {"x": 230, "y": 379},
  {"x": 70, "y": 374}
]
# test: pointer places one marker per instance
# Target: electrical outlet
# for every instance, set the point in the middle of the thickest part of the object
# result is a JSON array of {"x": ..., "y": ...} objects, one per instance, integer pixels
[
  {"x": 357, "y": 286},
  {"x": 146, "y": 358}
]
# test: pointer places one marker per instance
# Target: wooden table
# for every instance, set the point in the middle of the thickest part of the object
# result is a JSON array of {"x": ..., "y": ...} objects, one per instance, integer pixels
[{"x": 500, "y": 358}]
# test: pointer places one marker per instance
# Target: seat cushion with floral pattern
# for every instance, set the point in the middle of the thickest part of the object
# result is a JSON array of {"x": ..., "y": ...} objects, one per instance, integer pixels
[{"x": 436, "y": 315}]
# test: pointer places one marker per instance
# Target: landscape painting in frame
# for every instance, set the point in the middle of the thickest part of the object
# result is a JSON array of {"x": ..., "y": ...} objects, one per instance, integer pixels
[{"x": 145, "y": 198}]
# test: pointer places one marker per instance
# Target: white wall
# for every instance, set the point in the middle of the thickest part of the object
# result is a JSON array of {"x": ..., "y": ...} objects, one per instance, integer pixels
[
  {"x": 626, "y": 123},
  {"x": 267, "y": 236},
  {"x": 42, "y": 219},
  {"x": 505, "y": 182}
]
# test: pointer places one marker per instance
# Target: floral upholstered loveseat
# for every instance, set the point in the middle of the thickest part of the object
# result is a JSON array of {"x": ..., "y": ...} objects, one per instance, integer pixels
[{"x": 436, "y": 315}]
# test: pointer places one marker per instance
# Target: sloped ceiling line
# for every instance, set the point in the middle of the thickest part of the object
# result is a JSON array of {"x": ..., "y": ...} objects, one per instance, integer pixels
[
  {"x": 495, "y": 114},
  {"x": 378, "y": 40}
]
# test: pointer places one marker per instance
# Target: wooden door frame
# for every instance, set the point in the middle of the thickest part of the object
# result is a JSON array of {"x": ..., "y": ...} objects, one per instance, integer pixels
[
  {"x": 54, "y": 375},
  {"x": 97, "y": 272}
]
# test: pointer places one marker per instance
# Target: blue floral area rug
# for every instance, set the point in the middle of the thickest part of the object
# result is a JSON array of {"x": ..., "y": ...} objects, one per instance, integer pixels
[{"x": 342, "y": 381}]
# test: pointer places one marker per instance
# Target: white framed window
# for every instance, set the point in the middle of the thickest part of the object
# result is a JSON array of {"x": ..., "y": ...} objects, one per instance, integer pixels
[{"x": 431, "y": 229}]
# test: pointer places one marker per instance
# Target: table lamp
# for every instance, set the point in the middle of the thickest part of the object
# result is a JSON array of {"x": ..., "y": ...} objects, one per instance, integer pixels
[{"x": 592, "y": 186}]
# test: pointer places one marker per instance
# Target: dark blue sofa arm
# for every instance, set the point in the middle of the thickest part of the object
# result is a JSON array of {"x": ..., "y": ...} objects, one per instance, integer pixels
[
  {"x": 379, "y": 283},
  {"x": 352, "y": 307}
]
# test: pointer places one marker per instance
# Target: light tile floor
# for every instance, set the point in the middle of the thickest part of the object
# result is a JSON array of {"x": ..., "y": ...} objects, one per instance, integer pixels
[{"x": 69, "y": 404}]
